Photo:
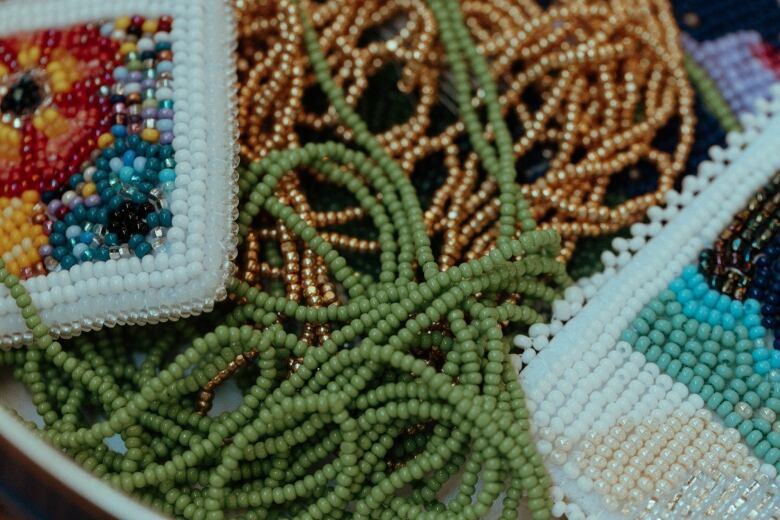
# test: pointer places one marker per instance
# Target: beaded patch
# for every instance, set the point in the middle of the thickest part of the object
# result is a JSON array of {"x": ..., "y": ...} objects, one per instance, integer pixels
[
  {"x": 116, "y": 134},
  {"x": 86, "y": 126},
  {"x": 627, "y": 431}
]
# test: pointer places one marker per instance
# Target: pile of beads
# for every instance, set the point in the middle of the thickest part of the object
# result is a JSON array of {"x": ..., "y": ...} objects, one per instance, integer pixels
[
  {"x": 326, "y": 436},
  {"x": 743, "y": 260},
  {"x": 87, "y": 122},
  {"x": 578, "y": 118}
]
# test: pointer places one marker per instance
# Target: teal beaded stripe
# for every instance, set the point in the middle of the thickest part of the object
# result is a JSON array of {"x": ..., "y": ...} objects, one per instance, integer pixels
[
  {"x": 708, "y": 341},
  {"x": 314, "y": 443}
]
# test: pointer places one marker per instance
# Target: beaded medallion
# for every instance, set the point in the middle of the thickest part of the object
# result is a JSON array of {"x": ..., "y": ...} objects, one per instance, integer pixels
[
  {"x": 657, "y": 399},
  {"x": 116, "y": 134}
]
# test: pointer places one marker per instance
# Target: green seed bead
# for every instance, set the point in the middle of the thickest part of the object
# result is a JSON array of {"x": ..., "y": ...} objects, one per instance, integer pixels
[
  {"x": 772, "y": 456},
  {"x": 733, "y": 420},
  {"x": 674, "y": 368},
  {"x": 774, "y": 438},
  {"x": 745, "y": 428},
  {"x": 762, "y": 425},
  {"x": 762, "y": 448},
  {"x": 753, "y": 438}
]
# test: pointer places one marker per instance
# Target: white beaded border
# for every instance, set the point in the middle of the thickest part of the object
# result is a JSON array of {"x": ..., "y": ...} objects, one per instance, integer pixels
[
  {"x": 190, "y": 274},
  {"x": 583, "y": 367}
]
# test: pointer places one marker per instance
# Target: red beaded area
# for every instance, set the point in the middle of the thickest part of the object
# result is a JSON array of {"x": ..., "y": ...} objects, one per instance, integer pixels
[{"x": 53, "y": 110}]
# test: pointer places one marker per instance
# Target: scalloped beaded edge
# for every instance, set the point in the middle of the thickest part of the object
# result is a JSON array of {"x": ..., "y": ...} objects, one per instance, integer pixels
[
  {"x": 188, "y": 277},
  {"x": 581, "y": 368}
]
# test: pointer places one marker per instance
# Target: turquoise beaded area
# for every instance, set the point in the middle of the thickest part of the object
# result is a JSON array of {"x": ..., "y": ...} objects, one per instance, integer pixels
[
  {"x": 116, "y": 205},
  {"x": 716, "y": 346}
]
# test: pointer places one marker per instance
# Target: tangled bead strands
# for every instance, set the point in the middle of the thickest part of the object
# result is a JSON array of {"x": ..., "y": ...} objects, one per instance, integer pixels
[
  {"x": 609, "y": 79},
  {"x": 331, "y": 361},
  {"x": 312, "y": 441}
]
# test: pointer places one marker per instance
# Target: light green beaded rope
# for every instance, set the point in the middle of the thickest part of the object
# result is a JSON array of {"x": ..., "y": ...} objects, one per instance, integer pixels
[
  {"x": 711, "y": 96},
  {"x": 315, "y": 443}
]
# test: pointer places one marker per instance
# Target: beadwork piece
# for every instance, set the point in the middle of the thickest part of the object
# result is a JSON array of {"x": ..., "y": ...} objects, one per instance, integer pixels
[
  {"x": 87, "y": 140},
  {"x": 110, "y": 155},
  {"x": 362, "y": 366},
  {"x": 627, "y": 397}
]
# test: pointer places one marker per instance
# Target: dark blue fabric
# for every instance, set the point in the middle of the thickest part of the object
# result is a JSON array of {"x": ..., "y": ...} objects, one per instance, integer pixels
[{"x": 720, "y": 17}]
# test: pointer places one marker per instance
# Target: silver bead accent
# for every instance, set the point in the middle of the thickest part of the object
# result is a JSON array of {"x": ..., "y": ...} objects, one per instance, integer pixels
[
  {"x": 117, "y": 252},
  {"x": 50, "y": 263},
  {"x": 744, "y": 410},
  {"x": 157, "y": 238},
  {"x": 157, "y": 198},
  {"x": 767, "y": 414},
  {"x": 128, "y": 191}
]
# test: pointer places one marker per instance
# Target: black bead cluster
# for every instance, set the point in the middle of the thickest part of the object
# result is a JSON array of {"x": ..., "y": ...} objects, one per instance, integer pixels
[
  {"x": 23, "y": 97},
  {"x": 129, "y": 219},
  {"x": 730, "y": 265}
]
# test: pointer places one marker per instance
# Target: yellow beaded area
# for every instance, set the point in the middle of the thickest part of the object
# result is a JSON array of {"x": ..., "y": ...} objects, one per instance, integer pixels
[
  {"x": 29, "y": 56},
  {"x": 21, "y": 231},
  {"x": 10, "y": 140},
  {"x": 51, "y": 123},
  {"x": 63, "y": 70}
]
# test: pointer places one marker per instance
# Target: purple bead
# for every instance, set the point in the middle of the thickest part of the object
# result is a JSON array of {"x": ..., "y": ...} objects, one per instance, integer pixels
[
  {"x": 92, "y": 200},
  {"x": 45, "y": 250},
  {"x": 120, "y": 108},
  {"x": 135, "y": 76},
  {"x": 148, "y": 83},
  {"x": 751, "y": 37},
  {"x": 54, "y": 205},
  {"x": 740, "y": 76},
  {"x": 148, "y": 113},
  {"x": 77, "y": 201},
  {"x": 166, "y": 138},
  {"x": 165, "y": 113}
]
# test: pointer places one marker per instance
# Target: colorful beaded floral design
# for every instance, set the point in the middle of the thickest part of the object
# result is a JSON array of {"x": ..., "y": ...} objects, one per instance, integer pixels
[{"x": 86, "y": 133}]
